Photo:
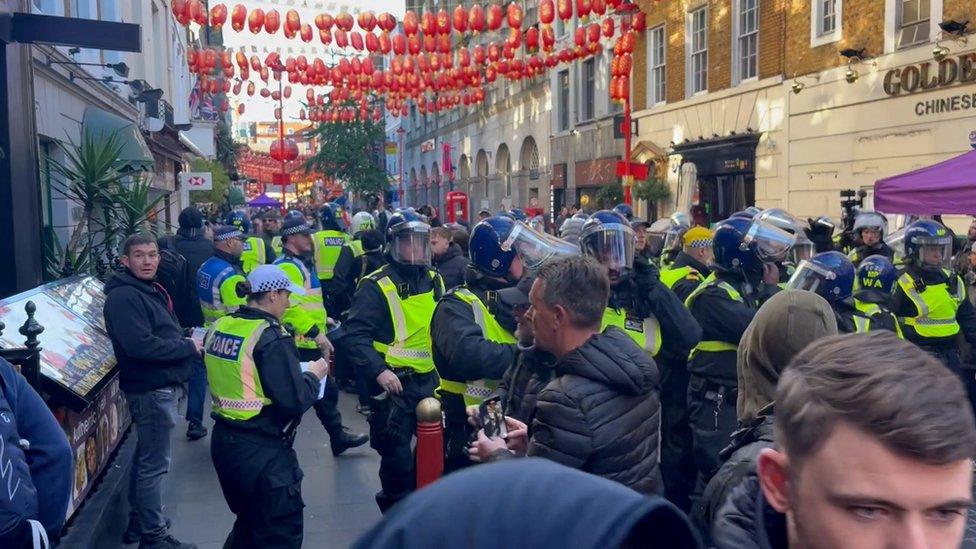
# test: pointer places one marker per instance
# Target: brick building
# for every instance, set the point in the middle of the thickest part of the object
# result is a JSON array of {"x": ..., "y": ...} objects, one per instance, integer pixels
[{"x": 714, "y": 92}]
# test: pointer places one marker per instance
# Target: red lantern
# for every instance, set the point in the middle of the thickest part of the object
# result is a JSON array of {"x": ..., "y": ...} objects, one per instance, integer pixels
[
  {"x": 344, "y": 21},
  {"x": 325, "y": 37},
  {"x": 341, "y": 39},
  {"x": 579, "y": 36},
  {"x": 608, "y": 29},
  {"x": 293, "y": 23},
  {"x": 250, "y": 89},
  {"x": 515, "y": 16},
  {"x": 410, "y": 23},
  {"x": 547, "y": 12},
  {"x": 443, "y": 22},
  {"x": 476, "y": 18},
  {"x": 272, "y": 21},
  {"x": 599, "y": 7},
  {"x": 479, "y": 55},
  {"x": 399, "y": 44},
  {"x": 181, "y": 11},
  {"x": 386, "y": 22},
  {"x": 310, "y": 95},
  {"x": 367, "y": 21},
  {"x": 548, "y": 39},
  {"x": 237, "y": 88},
  {"x": 494, "y": 52},
  {"x": 640, "y": 22},
  {"x": 593, "y": 32},
  {"x": 237, "y": 17},
  {"x": 413, "y": 44},
  {"x": 275, "y": 96},
  {"x": 494, "y": 17},
  {"x": 430, "y": 43},
  {"x": 514, "y": 39},
  {"x": 628, "y": 41},
  {"x": 460, "y": 19},
  {"x": 372, "y": 43},
  {"x": 583, "y": 8},
  {"x": 306, "y": 33},
  {"x": 218, "y": 16},
  {"x": 565, "y": 9},
  {"x": 324, "y": 21},
  {"x": 385, "y": 44},
  {"x": 357, "y": 41},
  {"x": 255, "y": 20},
  {"x": 197, "y": 12},
  {"x": 286, "y": 93},
  {"x": 265, "y": 93},
  {"x": 428, "y": 23},
  {"x": 284, "y": 150},
  {"x": 240, "y": 109}
]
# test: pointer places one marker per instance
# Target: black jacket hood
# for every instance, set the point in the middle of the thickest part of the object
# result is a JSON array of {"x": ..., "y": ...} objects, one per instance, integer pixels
[
  {"x": 612, "y": 359},
  {"x": 126, "y": 278}
]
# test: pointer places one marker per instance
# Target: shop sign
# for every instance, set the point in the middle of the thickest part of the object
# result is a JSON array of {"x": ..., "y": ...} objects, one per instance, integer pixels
[
  {"x": 596, "y": 173},
  {"x": 931, "y": 74},
  {"x": 391, "y": 147},
  {"x": 559, "y": 176},
  {"x": 196, "y": 181},
  {"x": 960, "y": 102},
  {"x": 427, "y": 146}
]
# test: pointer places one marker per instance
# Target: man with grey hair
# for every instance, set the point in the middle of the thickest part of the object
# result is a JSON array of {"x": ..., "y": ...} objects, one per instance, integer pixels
[{"x": 601, "y": 411}]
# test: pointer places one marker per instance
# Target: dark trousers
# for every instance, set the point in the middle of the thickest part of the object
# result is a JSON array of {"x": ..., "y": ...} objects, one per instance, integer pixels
[
  {"x": 392, "y": 426},
  {"x": 712, "y": 412},
  {"x": 345, "y": 369},
  {"x": 262, "y": 484},
  {"x": 966, "y": 372},
  {"x": 327, "y": 407},
  {"x": 677, "y": 456},
  {"x": 458, "y": 433},
  {"x": 196, "y": 391},
  {"x": 154, "y": 416}
]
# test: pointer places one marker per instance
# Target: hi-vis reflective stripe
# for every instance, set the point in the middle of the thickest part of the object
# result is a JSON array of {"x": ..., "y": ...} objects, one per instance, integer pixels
[
  {"x": 715, "y": 346},
  {"x": 393, "y": 298},
  {"x": 861, "y": 324},
  {"x": 246, "y": 405},
  {"x": 479, "y": 314},
  {"x": 476, "y": 389}
]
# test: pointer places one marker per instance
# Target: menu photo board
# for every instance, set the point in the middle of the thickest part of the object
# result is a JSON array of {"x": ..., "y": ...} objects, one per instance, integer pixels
[{"x": 76, "y": 354}]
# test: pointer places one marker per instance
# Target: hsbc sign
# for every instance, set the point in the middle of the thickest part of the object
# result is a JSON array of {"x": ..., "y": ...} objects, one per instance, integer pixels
[{"x": 197, "y": 181}]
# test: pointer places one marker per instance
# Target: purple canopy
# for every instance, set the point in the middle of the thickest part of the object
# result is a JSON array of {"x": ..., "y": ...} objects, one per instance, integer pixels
[
  {"x": 264, "y": 201},
  {"x": 948, "y": 187}
]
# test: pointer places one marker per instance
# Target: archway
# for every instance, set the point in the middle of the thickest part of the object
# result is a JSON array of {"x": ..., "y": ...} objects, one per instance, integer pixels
[
  {"x": 422, "y": 188},
  {"x": 412, "y": 189},
  {"x": 503, "y": 166},
  {"x": 435, "y": 186}
]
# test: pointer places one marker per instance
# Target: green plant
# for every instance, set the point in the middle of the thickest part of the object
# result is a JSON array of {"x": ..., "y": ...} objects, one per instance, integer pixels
[
  {"x": 610, "y": 195},
  {"x": 133, "y": 207},
  {"x": 227, "y": 148},
  {"x": 348, "y": 152},
  {"x": 652, "y": 191}
]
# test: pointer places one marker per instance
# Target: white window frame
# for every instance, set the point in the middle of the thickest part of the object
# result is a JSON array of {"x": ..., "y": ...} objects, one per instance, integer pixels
[
  {"x": 655, "y": 80},
  {"x": 817, "y": 36},
  {"x": 563, "y": 102},
  {"x": 583, "y": 95},
  {"x": 891, "y": 24},
  {"x": 689, "y": 54},
  {"x": 737, "y": 36}
]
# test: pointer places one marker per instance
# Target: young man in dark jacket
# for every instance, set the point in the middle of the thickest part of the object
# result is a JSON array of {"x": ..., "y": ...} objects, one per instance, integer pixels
[
  {"x": 191, "y": 242},
  {"x": 448, "y": 258},
  {"x": 154, "y": 360},
  {"x": 520, "y": 386},
  {"x": 601, "y": 412}
]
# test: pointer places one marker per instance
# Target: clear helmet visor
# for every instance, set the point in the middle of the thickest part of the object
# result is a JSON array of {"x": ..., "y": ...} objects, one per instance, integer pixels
[
  {"x": 537, "y": 247},
  {"x": 934, "y": 253},
  {"x": 810, "y": 277},
  {"x": 612, "y": 245},
  {"x": 802, "y": 250},
  {"x": 411, "y": 246},
  {"x": 771, "y": 243},
  {"x": 679, "y": 220},
  {"x": 778, "y": 217},
  {"x": 871, "y": 220},
  {"x": 672, "y": 239},
  {"x": 896, "y": 241}
]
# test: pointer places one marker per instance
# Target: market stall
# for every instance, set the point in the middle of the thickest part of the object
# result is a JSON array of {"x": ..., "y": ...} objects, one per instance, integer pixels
[{"x": 948, "y": 187}]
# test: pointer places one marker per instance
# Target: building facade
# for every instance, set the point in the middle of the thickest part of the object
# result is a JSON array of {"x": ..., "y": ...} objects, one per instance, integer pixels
[{"x": 743, "y": 102}]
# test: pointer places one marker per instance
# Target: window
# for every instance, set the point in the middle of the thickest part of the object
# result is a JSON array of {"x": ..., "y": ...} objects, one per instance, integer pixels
[
  {"x": 826, "y": 21},
  {"x": 656, "y": 76},
  {"x": 588, "y": 99},
  {"x": 746, "y": 47},
  {"x": 50, "y": 7},
  {"x": 912, "y": 20},
  {"x": 697, "y": 51},
  {"x": 563, "y": 100},
  {"x": 827, "y": 17}
]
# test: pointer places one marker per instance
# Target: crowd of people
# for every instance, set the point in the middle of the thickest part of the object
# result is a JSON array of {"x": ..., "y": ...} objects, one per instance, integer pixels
[{"x": 765, "y": 381}]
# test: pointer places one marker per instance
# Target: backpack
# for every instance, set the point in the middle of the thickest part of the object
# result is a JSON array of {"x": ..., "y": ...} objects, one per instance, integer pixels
[{"x": 173, "y": 274}]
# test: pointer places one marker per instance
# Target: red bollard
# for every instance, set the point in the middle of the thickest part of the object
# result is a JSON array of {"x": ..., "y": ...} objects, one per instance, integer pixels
[{"x": 430, "y": 442}]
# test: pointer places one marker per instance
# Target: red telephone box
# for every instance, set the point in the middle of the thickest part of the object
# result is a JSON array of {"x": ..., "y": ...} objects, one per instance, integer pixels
[{"x": 457, "y": 206}]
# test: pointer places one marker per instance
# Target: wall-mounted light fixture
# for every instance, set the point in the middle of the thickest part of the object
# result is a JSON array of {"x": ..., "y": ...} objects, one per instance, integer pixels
[
  {"x": 798, "y": 85},
  {"x": 854, "y": 57},
  {"x": 952, "y": 31},
  {"x": 120, "y": 68}
]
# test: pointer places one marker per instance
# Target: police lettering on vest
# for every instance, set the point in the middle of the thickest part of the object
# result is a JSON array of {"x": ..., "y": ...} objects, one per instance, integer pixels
[
  {"x": 231, "y": 372},
  {"x": 225, "y": 346}
]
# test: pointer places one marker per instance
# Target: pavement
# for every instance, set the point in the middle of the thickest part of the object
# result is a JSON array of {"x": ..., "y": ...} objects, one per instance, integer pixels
[{"x": 338, "y": 491}]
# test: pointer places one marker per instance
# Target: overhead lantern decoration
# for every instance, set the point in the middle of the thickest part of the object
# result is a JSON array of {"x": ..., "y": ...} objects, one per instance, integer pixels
[
  {"x": 494, "y": 17},
  {"x": 476, "y": 19},
  {"x": 386, "y": 22},
  {"x": 367, "y": 21},
  {"x": 240, "y": 108},
  {"x": 218, "y": 16},
  {"x": 460, "y": 19},
  {"x": 515, "y": 16},
  {"x": 608, "y": 29},
  {"x": 547, "y": 12},
  {"x": 565, "y": 9},
  {"x": 583, "y": 8},
  {"x": 324, "y": 21},
  {"x": 593, "y": 32},
  {"x": 410, "y": 25},
  {"x": 198, "y": 13},
  {"x": 548, "y": 39},
  {"x": 237, "y": 17},
  {"x": 640, "y": 22},
  {"x": 579, "y": 36},
  {"x": 181, "y": 11},
  {"x": 341, "y": 39},
  {"x": 428, "y": 24},
  {"x": 443, "y": 22},
  {"x": 599, "y": 7},
  {"x": 272, "y": 21},
  {"x": 532, "y": 39},
  {"x": 255, "y": 20},
  {"x": 357, "y": 41},
  {"x": 345, "y": 21}
]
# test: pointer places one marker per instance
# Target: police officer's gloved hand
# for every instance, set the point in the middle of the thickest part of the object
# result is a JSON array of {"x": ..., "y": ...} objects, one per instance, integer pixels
[{"x": 646, "y": 269}]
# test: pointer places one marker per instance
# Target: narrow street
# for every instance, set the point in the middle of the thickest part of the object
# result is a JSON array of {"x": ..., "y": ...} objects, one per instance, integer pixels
[{"x": 338, "y": 492}]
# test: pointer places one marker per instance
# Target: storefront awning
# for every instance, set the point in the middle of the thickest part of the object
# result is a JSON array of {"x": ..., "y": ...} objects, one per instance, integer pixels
[
  {"x": 948, "y": 187},
  {"x": 102, "y": 124},
  {"x": 190, "y": 146}
]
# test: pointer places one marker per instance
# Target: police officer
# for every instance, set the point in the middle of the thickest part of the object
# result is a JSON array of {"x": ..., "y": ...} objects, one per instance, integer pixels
[
  {"x": 831, "y": 276},
  {"x": 930, "y": 300},
  {"x": 690, "y": 267},
  {"x": 259, "y": 396},
  {"x": 472, "y": 332},
  {"x": 307, "y": 318},
  {"x": 626, "y": 211},
  {"x": 679, "y": 222},
  {"x": 388, "y": 331},
  {"x": 874, "y": 285},
  {"x": 218, "y": 276},
  {"x": 256, "y": 250},
  {"x": 358, "y": 257},
  {"x": 639, "y": 304},
  {"x": 870, "y": 230},
  {"x": 744, "y": 275},
  {"x": 328, "y": 241}
]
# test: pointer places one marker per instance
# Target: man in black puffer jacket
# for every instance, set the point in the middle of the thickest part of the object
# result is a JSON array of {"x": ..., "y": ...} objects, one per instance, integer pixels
[
  {"x": 601, "y": 412},
  {"x": 449, "y": 260}
]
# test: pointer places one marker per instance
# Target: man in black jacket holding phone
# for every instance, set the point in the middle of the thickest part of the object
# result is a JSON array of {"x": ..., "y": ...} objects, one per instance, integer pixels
[{"x": 154, "y": 361}]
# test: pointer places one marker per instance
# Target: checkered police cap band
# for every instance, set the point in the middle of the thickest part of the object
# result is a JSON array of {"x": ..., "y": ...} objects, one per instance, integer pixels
[
  {"x": 271, "y": 285},
  {"x": 229, "y": 233},
  {"x": 701, "y": 243},
  {"x": 297, "y": 229}
]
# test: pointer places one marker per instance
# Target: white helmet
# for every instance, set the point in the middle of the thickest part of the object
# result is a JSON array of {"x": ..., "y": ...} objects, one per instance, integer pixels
[{"x": 362, "y": 221}]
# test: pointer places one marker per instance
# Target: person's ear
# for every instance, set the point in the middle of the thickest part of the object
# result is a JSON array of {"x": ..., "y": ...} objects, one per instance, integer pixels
[
  {"x": 773, "y": 468},
  {"x": 560, "y": 316}
]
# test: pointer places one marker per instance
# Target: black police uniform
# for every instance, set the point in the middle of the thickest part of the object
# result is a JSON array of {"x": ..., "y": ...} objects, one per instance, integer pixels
[
  {"x": 845, "y": 313},
  {"x": 685, "y": 286},
  {"x": 392, "y": 418},
  {"x": 861, "y": 252},
  {"x": 644, "y": 293},
  {"x": 255, "y": 463},
  {"x": 712, "y": 387},
  {"x": 461, "y": 354}
]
